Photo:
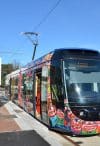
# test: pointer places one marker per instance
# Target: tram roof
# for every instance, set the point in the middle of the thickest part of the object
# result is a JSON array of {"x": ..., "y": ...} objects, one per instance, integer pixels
[{"x": 59, "y": 53}]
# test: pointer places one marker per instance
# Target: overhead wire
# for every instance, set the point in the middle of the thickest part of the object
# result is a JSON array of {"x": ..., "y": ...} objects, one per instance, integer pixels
[
  {"x": 47, "y": 15},
  {"x": 35, "y": 42},
  {"x": 9, "y": 52},
  {"x": 12, "y": 54}
]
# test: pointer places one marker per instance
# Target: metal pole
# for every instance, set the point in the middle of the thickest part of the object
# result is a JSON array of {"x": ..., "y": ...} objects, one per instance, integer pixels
[
  {"x": 34, "y": 42},
  {"x": 34, "y": 51}
]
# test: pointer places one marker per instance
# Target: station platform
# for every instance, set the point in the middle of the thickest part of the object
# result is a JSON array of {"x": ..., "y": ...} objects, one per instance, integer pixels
[
  {"x": 13, "y": 120},
  {"x": 7, "y": 122}
]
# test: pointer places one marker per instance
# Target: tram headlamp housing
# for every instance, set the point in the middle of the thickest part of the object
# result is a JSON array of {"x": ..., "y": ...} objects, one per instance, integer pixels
[{"x": 83, "y": 113}]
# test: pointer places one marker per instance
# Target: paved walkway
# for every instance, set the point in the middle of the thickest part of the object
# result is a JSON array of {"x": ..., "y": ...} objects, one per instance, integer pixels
[
  {"x": 7, "y": 122},
  {"x": 22, "y": 127}
]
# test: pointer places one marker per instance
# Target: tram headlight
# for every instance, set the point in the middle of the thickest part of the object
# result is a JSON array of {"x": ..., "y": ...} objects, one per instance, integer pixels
[{"x": 83, "y": 113}]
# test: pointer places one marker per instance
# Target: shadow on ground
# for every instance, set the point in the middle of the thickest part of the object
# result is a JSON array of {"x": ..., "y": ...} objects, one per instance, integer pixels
[{"x": 22, "y": 138}]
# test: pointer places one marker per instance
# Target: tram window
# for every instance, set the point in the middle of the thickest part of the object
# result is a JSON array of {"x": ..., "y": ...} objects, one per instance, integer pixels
[
  {"x": 27, "y": 86},
  {"x": 98, "y": 85},
  {"x": 86, "y": 86},
  {"x": 56, "y": 86},
  {"x": 44, "y": 83}
]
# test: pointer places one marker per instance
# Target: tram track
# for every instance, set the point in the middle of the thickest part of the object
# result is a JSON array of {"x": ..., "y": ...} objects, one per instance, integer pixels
[
  {"x": 70, "y": 140},
  {"x": 82, "y": 141}
]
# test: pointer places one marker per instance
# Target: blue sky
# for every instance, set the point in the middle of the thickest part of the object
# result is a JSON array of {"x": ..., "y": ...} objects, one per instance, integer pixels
[{"x": 74, "y": 23}]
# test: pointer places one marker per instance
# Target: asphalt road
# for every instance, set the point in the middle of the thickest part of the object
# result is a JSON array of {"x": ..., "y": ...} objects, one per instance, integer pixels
[{"x": 22, "y": 138}]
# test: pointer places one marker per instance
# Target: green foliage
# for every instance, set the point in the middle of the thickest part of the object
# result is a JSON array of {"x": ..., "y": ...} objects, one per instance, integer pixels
[{"x": 6, "y": 69}]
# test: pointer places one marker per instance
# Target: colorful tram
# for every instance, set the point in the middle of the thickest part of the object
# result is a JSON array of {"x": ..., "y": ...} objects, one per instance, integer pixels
[{"x": 61, "y": 89}]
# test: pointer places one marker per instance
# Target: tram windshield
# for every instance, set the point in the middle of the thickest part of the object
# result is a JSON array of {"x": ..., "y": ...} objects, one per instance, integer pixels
[{"x": 82, "y": 81}]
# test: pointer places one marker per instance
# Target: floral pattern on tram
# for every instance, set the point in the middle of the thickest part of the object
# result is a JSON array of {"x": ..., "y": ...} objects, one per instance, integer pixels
[
  {"x": 89, "y": 127},
  {"x": 70, "y": 123},
  {"x": 60, "y": 118},
  {"x": 98, "y": 127}
]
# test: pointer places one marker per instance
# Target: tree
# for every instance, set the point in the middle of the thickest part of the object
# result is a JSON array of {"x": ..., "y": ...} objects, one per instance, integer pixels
[
  {"x": 16, "y": 65},
  {"x": 7, "y": 69}
]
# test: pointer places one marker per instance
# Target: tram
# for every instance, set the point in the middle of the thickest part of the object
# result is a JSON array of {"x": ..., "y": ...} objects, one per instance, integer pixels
[{"x": 61, "y": 89}]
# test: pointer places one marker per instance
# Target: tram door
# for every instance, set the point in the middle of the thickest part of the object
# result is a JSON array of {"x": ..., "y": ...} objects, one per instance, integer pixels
[
  {"x": 41, "y": 84},
  {"x": 44, "y": 89},
  {"x": 38, "y": 94}
]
